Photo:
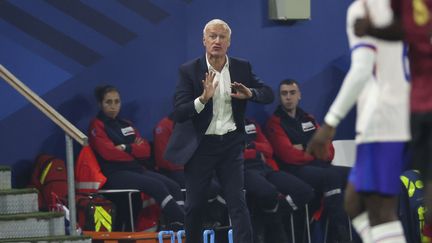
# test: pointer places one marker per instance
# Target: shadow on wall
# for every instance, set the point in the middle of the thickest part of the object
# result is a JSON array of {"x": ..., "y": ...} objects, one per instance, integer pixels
[
  {"x": 21, "y": 173},
  {"x": 55, "y": 143}
]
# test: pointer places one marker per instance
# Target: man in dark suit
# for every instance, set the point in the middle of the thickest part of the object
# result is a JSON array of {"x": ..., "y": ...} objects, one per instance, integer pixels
[{"x": 210, "y": 102}]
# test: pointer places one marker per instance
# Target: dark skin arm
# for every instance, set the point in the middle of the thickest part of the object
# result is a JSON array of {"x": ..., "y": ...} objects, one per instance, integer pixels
[
  {"x": 393, "y": 32},
  {"x": 318, "y": 145}
]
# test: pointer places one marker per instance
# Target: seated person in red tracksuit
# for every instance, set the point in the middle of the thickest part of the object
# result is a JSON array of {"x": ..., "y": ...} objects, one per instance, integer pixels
[
  {"x": 120, "y": 148},
  {"x": 289, "y": 130},
  {"x": 270, "y": 188},
  {"x": 161, "y": 135}
]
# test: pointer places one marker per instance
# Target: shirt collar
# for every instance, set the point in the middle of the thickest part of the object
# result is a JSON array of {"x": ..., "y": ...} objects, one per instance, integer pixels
[{"x": 210, "y": 67}]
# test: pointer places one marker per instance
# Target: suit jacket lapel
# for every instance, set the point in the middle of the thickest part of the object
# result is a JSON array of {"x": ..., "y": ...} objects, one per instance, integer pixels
[
  {"x": 234, "y": 78},
  {"x": 201, "y": 71},
  {"x": 233, "y": 74}
]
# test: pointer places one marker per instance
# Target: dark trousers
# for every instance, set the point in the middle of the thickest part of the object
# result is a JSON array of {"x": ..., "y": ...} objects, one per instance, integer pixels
[
  {"x": 153, "y": 184},
  {"x": 324, "y": 178},
  {"x": 223, "y": 155},
  {"x": 216, "y": 208},
  {"x": 421, "y": 144},
  {"x": 330, "y": 181},
  {"x": 178, "y": 176},
  {"x": 267, "y": 186}
]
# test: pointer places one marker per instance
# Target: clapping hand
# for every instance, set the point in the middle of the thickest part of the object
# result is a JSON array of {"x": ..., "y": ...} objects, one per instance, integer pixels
[
  {"x": 209, "y": 87},
  {"x": 241, "y": 92}
]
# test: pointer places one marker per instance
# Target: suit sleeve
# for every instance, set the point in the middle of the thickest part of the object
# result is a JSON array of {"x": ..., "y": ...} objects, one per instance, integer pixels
[
  {"x": 282, "y": 145},
  {"x": 161, "y": 135},
  {"x": 184, "y": 108},
  {"x": 102, "y": 144},
  {"x": 261, "y": 93}
]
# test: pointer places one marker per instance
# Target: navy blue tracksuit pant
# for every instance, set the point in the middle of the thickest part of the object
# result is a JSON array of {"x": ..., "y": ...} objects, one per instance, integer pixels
[
  {"x": 267, "y": 186},
  {"x": 164, "y": 190},
  {"x": 330, "y": 181}
]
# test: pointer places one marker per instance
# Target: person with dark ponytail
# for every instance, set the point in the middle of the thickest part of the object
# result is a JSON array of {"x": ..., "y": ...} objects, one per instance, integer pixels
[{"x": 120, "y": 150}]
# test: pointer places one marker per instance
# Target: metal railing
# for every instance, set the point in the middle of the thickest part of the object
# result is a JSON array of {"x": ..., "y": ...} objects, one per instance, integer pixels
[{"x": 70, "y": 132}]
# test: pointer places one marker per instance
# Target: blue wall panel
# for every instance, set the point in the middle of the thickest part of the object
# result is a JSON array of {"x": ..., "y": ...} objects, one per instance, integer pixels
[
  {"x": 26, "y": 65},
  {"x": 144, "y": 67}
]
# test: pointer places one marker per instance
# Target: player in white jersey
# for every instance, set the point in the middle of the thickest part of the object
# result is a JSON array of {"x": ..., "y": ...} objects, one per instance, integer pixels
[{"x": 378, "y": 83}]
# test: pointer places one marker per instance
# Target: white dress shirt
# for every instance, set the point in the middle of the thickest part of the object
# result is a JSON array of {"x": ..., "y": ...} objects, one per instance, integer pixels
[{"x": 222, "y": 121}]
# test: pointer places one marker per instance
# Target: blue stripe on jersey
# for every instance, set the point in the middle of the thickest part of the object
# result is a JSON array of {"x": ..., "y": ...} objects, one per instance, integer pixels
[
  {"x": 405, "y": 62},
  {"x": 370, "y": 46},
  {"x": 363, "y": 45}
]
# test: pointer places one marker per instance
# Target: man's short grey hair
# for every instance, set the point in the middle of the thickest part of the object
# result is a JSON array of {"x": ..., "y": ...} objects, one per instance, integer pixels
[{"x": 217, "y": 22}]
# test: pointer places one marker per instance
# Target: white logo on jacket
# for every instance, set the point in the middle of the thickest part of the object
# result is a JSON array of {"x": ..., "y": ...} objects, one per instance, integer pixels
[
  {"x": 308, "y": 126},
  {"x": 128, "y": 131},
  {"x": 250, "y": 128}
]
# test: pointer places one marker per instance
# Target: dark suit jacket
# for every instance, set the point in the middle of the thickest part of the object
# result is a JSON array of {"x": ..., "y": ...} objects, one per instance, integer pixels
[{"x": 190, "y": 126}]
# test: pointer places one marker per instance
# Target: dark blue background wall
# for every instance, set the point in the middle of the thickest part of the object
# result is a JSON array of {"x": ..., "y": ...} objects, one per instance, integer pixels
[{"x": 63, "y": 49}]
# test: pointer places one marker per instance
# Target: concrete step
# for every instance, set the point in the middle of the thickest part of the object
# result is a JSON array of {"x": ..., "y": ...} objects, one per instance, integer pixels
[
  {"x": 62, "y": 239},
  {"x": 39, "y": 224},
  {"x": 16, "y": 201},
  {"x": 5, "y": 177}
]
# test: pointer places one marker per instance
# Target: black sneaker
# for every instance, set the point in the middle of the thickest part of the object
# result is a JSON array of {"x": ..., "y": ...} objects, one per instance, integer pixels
[
  {"x": 175, "y": 226},
  {"x": 211, "y": 225}
]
